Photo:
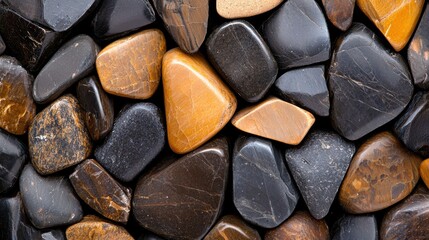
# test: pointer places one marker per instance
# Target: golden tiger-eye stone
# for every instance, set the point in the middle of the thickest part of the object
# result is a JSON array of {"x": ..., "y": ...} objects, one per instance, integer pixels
[
  {"x": 424, "y": 171},
  {"x": 232, "y": 227}
]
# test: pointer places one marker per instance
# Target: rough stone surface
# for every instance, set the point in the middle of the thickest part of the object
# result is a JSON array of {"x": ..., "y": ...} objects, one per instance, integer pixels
[
  {"x": 232, "y": 227},
  {"x": 340, "y": 12},
  {"x": 355, "y": 227},
  {"x": 12, "y": 157},
  {"x": 92, "y": 227},
  {"x": 244, "y": 8}
]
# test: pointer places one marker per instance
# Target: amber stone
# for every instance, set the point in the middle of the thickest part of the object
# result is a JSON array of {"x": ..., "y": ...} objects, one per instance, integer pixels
[
  {"x": 301, "y": 226},
  {"x": 340, "y": 12},
  {"x": 101, "y": 191},
  {"x": 382, "y": 173},
  {"x": 57, "y": 137},
  {"x": 17, "y": 106},
  {"x": 275, "y": 119},
  {"x": 92, "y": 227},
  {"x": 131, "y": 67},
  {"x": 232, "y": 227},
  {"x": 424, "y": 171},
  {"x": 244, "y": 8},
  {"x": 197, "y": 103},
  {"x": 396, "y": 19}
]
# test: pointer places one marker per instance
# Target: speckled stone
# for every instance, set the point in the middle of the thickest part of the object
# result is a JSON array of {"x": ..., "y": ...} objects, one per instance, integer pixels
[
  {"x": 12, "y": 157},
  {"x": 355, "y": 227}
]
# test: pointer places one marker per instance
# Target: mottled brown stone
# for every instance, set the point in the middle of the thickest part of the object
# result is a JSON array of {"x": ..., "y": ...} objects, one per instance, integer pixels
[
  {"x": 57, "y": 137},
  {"x": 340, "y": 12},
  {"x": 382, "y": 173},
  {"x": 232, "y": 227}
]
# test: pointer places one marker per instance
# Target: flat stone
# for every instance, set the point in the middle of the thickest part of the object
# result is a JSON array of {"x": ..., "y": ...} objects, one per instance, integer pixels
[
  {"x": 78, "y": 55},
  {"x": 301, "y": 226},
  {"x": 115, "y": 18},
  {"x": 304, "y": 36},
  {"x": 97, "y": 107},
  {"x": 395, "y": 19},
  {"x": 340, "y": 12},
  {"x": 382, "y": 173},
  {"x": 137, "y": 137},
  {"x": 54, "y": 235},
  {"x": 2, "y": 46},
  {"x": 318, "y": 167},
  {"x": 232, "y": 227},
  {"x": 30, "y": 43},
  {"x": 408, "y": 219},
  {"x": 276, "y": 120},
  {"x": 359, "y": 104},
  {"x": 186, "y": 21},
  {"x": 204, "y": 94},
  {"x": 355, "y": 227},
  {"x": 12, "y": 157},
  {"x": 243, "y": 59},
  {"x": 49, "y": 201},
  {"x": 244, "y": 8},
  {"x": 92, "y": 227},
  {"x": 424, "y": 171},
  {"x": 187, "y": 192},
  {"x": 18, "y": 107},
  {"x": 57, "y": 137},
  {"x": 305, "y": 87},
  {"x": 259, "y": 170},
  {"x": 101, "y": 191},
  {"x": 131, "y": 67},
  {"x": 411, "y": 126}
]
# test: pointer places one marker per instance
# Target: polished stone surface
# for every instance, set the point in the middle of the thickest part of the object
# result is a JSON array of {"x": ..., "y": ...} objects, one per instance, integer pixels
[
  {"x": 204, "y": 94},
  {"x": 243, "y": 59},
  {"x": 92, "y": 227},
  {"x": 17, "y": 105},
  {"x": 340, "y": 12},
  {"x": 57, "y": 137},
  {"x": 49, "y": 201},
  {"x": 258, "y": 169},
  {"x": 306, "y": 87},
  {"x": 131, "y": 67},
  {"x": 186, "y": 21},
  {"x": 182, "y": 200},
  {"x": 359, "y": 104},
  {"x": 73, "y": 61},
  {"x": 13, "y": 154},
  {"x": 424, "y": 171},
  {"x": 382, "y": 173},
  {"x": 232, "y": 227},
  {"x": 2, "y": 46},
  {"x": 137, "y": 137},
  {"x": 150, "y": 236},
  {"x": 304, "y": 37},
  {"x": 97, "y": 107},
  {"x": 115, "y": 18},
  {"x": 276, "y": 120},
  {"x": 244, "y": 8},
  {"x": 355, "y": 227},
  {"x": 318, "y": 166},
  {"x": 54, "y": 235}
]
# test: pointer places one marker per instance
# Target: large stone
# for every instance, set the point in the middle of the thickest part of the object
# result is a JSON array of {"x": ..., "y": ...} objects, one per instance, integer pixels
[
  {"x": 244, "y": 8},
  {"x": 197, "y": 103},
  {"x": 57, "y": 137},
  {"x": 369, "y": 85},
  {"x": 355, "y": 227},
  {"x": 264, "y": 193},
  {"x": 73, "y": 61},
  {"x": 243, "y": 59},
  {"x": 382, "y": 173},
  {"x": 92, "y": 227},
  {"x": 318, "y": 166},
  {"x": 304, "y": 36},
  {"x": 131, "y": 67},
  {"x": 18, "y": 107},
  {"x": 49, "y": 201},
  {"x": 182, "y": 200},
  {"x": 340, "y": 12},
  {"x": 12, "y": 157},
  {"x": 232, "y": 227}
]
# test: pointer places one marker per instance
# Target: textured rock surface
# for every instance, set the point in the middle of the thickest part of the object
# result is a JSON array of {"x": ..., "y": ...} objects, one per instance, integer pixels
[
  {"x": 232, "y": 227},
  {"x": 54, "y": 235},
  {"x": 92, "y": 227},
  {"x": 12, "y": 157},
  {"x": 355, "y": 227},
  {"x": 340, "y": 12},
  {"x": 244, "y": 8}
]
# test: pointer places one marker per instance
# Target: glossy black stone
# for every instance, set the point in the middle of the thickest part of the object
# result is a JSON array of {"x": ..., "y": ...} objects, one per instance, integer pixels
[
  {"x": 138, "y": 135},
  {"x": 74, "y": 60},
  {"x": 318, "y": 166},
  {"x": 150, "y": 236},
  {"x": 54, "y": 235},
  {"x": 264, "y": 193},
  {"x": 355, "y": 227},
  {"x": 30, "y": 43},
  {"x": 243, "y": 59},
  {"x": 2, "y": 46},
  {"x": 48, "y": 201},
  {"x": 115, "y": 17},
  {"x": 297, "y": 34},
  {"x": 12, "y": 158},
  {"x": 305, "y": 87},
  {"x": 369, "y": 85}
]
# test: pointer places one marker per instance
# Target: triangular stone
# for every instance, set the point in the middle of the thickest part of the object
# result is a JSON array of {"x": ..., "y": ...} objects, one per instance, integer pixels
[{"x": 340, "y": 12}]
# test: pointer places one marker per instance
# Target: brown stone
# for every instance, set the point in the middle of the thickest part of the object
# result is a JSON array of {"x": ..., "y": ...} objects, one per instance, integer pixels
[
  {"x": 382, "y": 173},
  {"x": 197, "y": 103},
  {"x": 301, "y": 226},
  {"x": 275, "y": 119},
  {"x": 101, "y": 191},
  {"x": 396, "y": 19},
  {"x": 57, "y": 137},
  {"x": 424, "y": 171},
  {"x": 232, "y": 227},
  {"x": 94, "y": 228},
  {"x": 17, "y": 106},
  {"x": 131, "y": 67},
  {"x": 340, "y": 12},
  {"x": 244, "y": 8}
]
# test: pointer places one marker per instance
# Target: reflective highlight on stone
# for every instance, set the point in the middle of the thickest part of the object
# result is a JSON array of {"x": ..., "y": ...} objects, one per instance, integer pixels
[
  {"x": 12, "y": 157},
  {"x": 355, "y": 227},
  {"x": 232, "y": 227}
]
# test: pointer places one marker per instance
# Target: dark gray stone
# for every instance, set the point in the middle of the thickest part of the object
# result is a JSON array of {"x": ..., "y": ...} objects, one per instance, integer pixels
[
  {"x": 54, "y": 235},
  {"x": 150, "y": 236},
  {"x": 355, "y": 227},
  {"x": 12, "y": 158},
  {"x": 2, "y": 46}
]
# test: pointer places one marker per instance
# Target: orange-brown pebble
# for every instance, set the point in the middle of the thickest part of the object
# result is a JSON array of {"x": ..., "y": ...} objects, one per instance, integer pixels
[
  {"x": 231, "y": 227},
  {"x": 424, "y": 171},
  {"x": 244, "y": 8},
  {"x": 131, "y": 67}
]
